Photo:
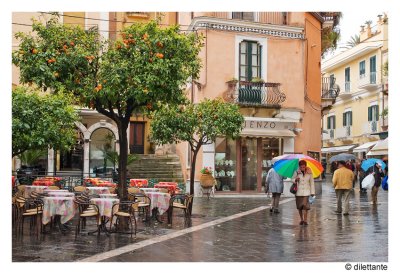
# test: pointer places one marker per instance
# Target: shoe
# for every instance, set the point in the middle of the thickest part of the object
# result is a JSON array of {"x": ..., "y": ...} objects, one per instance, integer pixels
[
  {"x": 302, "y": 223},
  {"x": 345, "y": 214},
  {"x": 276, "y": 210},
  {"x": 271, "y": 209},
  {"x": 305, "y": 223}
]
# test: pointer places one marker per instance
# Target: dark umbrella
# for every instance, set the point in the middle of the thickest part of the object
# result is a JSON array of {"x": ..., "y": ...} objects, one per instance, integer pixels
[{"x": 342, "y": 157}]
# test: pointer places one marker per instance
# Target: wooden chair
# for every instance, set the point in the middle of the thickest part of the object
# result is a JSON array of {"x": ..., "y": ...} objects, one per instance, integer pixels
[
  {"x": 29, "y": 208},
  {"x": 180, "y": 201},
  {"x": 53, "y": 187},
  {"x": 144, "y": 204},
  {"x": 80, "y": 189},
  {"x": 125, "y": 210},
  {"x": 85, "y": 213}
]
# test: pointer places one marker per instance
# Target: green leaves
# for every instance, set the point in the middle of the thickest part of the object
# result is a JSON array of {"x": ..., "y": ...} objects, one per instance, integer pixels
[
  {"x": 197, "y": 124},
  {"x": 40, "y": 121}
]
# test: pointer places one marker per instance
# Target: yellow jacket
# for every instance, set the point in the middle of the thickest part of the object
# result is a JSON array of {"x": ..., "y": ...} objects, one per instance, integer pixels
[{"x": 343, "y": 178}]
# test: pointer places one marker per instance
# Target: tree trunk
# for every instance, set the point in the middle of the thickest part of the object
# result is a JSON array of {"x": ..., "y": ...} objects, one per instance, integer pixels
[
  {"x": 122, "y": 162},
  {"x": 192, "y": 171}
]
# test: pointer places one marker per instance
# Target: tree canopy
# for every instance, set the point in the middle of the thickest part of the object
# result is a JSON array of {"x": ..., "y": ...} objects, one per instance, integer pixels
[
  {"x": 40, "y": 121},
  {"x": 198, "y": 125},
  {"x": 147, "y": 68}
]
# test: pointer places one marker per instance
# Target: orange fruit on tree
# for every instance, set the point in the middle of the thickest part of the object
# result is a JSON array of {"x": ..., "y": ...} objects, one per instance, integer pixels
[
  {"x": 160, "y": 55},
  {"x": 34, "y": 51}
]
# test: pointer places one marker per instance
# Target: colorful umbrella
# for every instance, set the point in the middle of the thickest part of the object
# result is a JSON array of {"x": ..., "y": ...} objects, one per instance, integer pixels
[
  {"x": 366, "y": 164},
  {"x": 287, "y": 164}
]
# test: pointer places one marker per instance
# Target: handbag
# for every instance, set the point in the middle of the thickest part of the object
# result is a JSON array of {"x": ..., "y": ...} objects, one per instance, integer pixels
[
  {"x": 293, "y": 188},
  {"x": 368, "y": 182}
]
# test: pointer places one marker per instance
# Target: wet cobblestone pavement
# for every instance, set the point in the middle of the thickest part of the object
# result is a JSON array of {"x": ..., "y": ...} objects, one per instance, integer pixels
[{"x": 257, "y": 237}]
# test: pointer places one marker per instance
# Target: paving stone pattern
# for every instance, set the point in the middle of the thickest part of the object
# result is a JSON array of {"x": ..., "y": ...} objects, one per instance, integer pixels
[{"x": 257, "y": 237}]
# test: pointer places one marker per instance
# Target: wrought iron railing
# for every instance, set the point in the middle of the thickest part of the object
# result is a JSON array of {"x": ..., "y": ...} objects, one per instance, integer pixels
[
  {"x": 258, "y": 94},
  {"x": 329, "y": 89}
]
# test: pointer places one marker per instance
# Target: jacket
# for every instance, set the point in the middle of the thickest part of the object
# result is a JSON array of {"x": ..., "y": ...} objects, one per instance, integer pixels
[
  {"x": 306, "y": 184},
  {"x": 274, "y": 182},
  {"x": 343, "y": 178}
]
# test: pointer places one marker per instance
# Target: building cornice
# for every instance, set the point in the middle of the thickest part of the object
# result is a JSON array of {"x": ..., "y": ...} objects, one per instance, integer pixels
[{"x": 246, "y": 26}]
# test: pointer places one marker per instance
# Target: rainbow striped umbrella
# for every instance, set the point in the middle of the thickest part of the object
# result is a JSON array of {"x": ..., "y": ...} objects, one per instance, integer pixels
[{"x": 287, "y": 164}]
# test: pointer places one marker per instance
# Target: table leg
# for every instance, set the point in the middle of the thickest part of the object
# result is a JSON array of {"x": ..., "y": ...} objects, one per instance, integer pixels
[{"x": 155, "y": 215}]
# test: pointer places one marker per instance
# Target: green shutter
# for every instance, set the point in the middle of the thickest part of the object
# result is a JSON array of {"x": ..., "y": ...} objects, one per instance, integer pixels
[
  {"x": 329, "y": 123},
  {"x": 377, "y": 113},
  {"x": 351, "y": 118},
  {"x": 334, "y": 122},
  {"x": 369, "y": 113},
  {"x": 344, "y": 118}
]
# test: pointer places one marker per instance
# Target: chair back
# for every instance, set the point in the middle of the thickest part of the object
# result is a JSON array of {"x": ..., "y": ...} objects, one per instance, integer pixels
[
  {"x": 54, "y": 187},
  {"x": 133, "y": 190},
  {"x": 80, "y": 189}
]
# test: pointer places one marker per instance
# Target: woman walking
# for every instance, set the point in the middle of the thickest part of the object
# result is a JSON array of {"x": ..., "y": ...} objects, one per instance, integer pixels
[{"x": 305, "y": 187}]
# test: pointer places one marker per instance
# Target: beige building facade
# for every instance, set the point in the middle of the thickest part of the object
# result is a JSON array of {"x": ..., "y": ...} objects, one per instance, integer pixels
[{"x": 355, "y": 122}]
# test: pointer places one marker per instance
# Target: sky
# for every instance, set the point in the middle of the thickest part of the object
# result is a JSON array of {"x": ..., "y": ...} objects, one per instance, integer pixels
[{"x": 350, "y": 25}]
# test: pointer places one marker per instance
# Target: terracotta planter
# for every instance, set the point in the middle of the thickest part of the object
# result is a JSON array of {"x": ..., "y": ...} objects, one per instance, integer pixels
[{"x": 206, "y": 180}]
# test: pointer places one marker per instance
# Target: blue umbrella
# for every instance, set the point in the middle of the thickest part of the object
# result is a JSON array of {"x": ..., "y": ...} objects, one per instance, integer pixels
[{"x": 366, "y": 164}]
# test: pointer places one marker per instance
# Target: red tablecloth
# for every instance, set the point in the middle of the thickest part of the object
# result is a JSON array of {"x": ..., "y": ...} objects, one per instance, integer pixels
[
  {"x": 139, "y": 182},
  {"x": 99, "y": 182},
  {"x": 46, "y": 181},
  {"x": 171, "y": 186}
]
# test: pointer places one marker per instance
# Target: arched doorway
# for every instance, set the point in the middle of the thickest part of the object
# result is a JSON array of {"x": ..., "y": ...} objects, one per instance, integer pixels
[{"x": 102, "y": 153}]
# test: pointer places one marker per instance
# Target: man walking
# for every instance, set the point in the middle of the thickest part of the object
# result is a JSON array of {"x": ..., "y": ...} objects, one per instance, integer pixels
[
  {"x": 274, "y": 184},
  {"x": 343, "y": 183}
]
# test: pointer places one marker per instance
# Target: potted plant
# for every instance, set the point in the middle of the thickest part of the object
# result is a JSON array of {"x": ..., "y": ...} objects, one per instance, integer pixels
[{"x": 207, "y": 179}]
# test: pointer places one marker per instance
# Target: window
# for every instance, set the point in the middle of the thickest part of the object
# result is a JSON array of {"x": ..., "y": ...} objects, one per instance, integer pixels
[
  {"x": 243, "y": 15},
  {"x": 347, "y": 118},
  {"x": 373, "y": 113},
  {"x": 372, "y": 69},
  {"x": 347, "y": 79},
  {"x": 331, "y": 122},
  {"x": 249, "y": 60},
  {"x": 362, "y": 69}
]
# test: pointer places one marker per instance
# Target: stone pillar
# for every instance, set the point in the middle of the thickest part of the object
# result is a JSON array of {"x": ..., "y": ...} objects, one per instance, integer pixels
[
  {"x": 209, "y": 156},
  {"x": 288, "y": 144},
  {"x": 50, "y": 161},
  {"x": 86, "y": 146}
]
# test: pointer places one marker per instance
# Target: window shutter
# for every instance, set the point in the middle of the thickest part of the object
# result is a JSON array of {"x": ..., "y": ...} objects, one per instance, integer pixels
[
  {"x": 369, "y": 113},
  {"x": 351, "y": 118},
  {"x": 344, "y": 118},
  {"x": 329, "y": 123},
  {"x": 334, "y": 122},
  {"x": 377, "y": 113}
]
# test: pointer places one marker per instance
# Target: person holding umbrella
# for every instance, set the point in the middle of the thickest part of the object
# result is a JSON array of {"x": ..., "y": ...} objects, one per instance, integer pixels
[
  {"x": 376, "y": 169},
  {"x": 305, "y": 187},
  {"x": 343, "y": 183}
]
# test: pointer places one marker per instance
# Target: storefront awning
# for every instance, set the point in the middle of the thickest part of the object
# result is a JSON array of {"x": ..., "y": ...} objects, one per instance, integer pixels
[
  {"x": 250, "y": 132},
  {"x": 337, "y": 149},
  {"x": 381, "y": 148},
  {"x": 364, "y": 147}
]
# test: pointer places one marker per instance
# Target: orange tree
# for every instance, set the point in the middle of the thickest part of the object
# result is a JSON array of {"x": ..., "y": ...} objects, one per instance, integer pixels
[
  {"x": 198, "y": 124},
  {"x": 145, "y": 69}
]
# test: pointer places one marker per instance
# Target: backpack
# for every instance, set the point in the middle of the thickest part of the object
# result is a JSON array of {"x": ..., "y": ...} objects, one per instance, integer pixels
[{"x": 385, "y": 183}]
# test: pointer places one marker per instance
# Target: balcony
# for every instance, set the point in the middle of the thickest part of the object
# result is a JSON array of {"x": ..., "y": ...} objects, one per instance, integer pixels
[
  {"x": 370, "y": 127},
  {"x": 368, "y": 82},
  {"x": 328, "y": 136},
  {"x": 329, "y": 91},
  {"x": 329, "y": 18},
  {"x": 138, "y": 14},
  {"x": 346, "y": 93},
  {"x": 255, "y": 94},
  {"x": 344, "y": 133}
]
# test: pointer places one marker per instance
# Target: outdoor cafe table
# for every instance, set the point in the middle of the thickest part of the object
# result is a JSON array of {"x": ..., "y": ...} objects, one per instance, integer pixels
[
  {"x": 105, "y": 206},
  {"x": 59, "y": 205},
  {"x": 98, "y": 190},
  {"x": 139, "y": 182},
  {"x": 60, "y": 193},
  {"x": 149, "y": 189},
  {"x": 159, "y": 203},
  {"x": 108, "y": 195},
  {"x": 171, "y": 186},
  {"x": 29, "y": 189}
]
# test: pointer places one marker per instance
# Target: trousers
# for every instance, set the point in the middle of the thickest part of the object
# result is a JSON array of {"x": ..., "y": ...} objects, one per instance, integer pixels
[{"x": 345, "y": 193}]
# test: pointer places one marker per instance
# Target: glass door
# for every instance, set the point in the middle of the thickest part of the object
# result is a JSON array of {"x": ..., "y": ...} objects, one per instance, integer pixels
[
  {"x": 270, "y": 149},
  {"x": 249, "y": 163}
]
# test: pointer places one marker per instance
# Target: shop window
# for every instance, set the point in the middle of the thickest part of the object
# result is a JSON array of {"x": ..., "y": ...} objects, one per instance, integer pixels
[{"x": 225, "y": 164}]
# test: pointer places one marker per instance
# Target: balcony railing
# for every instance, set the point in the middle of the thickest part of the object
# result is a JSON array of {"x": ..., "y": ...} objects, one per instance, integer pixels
[
  {"x": 256, "y": 94},
  {"x": 370, "y": 127},
  {"x": 344, "y": 132},
  {"x": 329, "y": 89},
  {"x": 368, "y": 82}
]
